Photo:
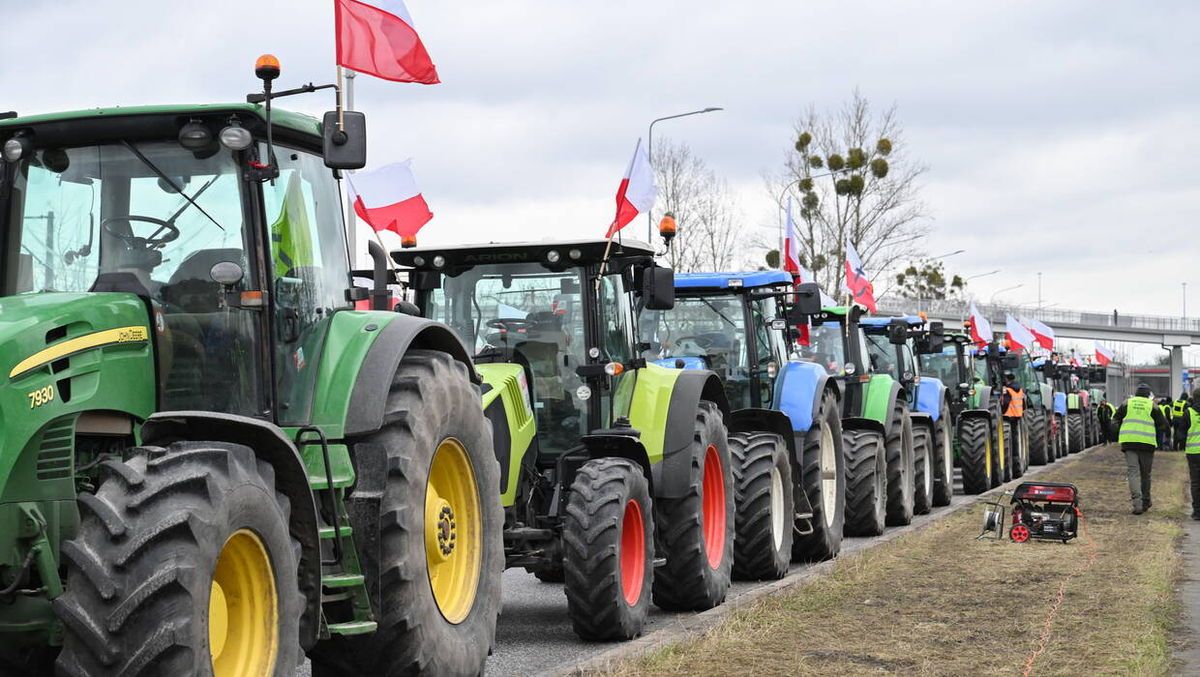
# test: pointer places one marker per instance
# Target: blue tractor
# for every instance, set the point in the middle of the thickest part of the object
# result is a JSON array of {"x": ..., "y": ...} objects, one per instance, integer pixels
[{"x": 790, "y": 481}]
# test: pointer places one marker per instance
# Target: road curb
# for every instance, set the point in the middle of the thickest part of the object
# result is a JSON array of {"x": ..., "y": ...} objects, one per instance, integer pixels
[{"x": 688, "y": 626}]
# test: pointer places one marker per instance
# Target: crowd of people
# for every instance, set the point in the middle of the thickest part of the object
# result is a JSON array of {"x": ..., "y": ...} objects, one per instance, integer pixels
[{"x": 1143, "y": 425}]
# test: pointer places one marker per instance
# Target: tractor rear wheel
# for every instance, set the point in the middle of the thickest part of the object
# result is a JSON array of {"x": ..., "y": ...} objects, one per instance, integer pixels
[
  {"x": 608, "y": 538},
  {"x": 1039, "y": 449},
  {"x": 866, "y": 482},
  {"x": 824, "y": 484},
  {"x": 183, "y": 565},
  {"x": 975, "y": 454},
  {"x": 441, "y": 552},
  {"x": 1020, "y": 450},
  {"x": 1008, "y": 444},
  {"x": 1074, "y": 432},
  {"x": 697, "y": 530},
  {"x": 762, "y": 474},
  {"x": 900, "y": 469},
  {"x": 923, "y": 469},
  {"x": 943, "y": 457}
]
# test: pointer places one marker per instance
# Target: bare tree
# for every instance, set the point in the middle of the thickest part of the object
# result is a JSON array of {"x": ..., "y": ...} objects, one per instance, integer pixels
[
  {"x": 853, "y": 179},
  {"x": 707, "y": 213}
]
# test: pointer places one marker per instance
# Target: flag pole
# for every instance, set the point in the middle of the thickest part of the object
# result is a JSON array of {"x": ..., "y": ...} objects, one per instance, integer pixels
[
  {"x": 341, "y": 88},
  {"x": 604, "y": 263}
]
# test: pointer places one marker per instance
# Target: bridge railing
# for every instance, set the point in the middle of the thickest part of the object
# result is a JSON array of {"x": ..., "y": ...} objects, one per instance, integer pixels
[{"x": 996, "y": 313}]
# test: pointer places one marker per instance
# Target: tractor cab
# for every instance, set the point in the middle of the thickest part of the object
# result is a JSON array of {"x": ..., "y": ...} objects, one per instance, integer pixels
[
  {"x": 954, "y": 366},
  {"x": 724, "y": 322},
  {"x": 891, "y": 350}
]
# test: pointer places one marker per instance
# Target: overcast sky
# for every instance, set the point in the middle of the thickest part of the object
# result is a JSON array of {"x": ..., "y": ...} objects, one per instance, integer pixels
[{"x": 1061, "y": 137}]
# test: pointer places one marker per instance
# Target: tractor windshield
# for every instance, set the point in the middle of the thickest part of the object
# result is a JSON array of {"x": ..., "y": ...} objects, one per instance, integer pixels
[
  {"x": 882, "y": 355},
  {"x": 950, "y": 365},
  {"x": 826, "y": 347},
  {"x": 713, "y": 329}
]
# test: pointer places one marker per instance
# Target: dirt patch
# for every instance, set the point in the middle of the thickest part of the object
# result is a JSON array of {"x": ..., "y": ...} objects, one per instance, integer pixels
[{"x": 938, "y": 602}]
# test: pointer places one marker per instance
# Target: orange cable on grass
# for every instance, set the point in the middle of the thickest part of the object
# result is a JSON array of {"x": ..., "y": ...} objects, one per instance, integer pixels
[{"x": 1047, "y": 626}]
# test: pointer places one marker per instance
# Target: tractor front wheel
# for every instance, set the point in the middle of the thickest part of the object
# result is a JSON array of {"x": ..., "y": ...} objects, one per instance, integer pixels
[
  {"x": 824, "y": 484},
  {"x": 183, "y": 565},
  {"x": 923, "y": 468},
  {"x": 866, "y": 482},
  {"x": 943, "y": 450},
  {"x": 1074, "y": 432},
  {"x": 975, "y": 454},
  {"x": 901, "y": 469},
  {"x": 1039, "y": 448},
  {"x": 697, "y": 530},
  {"x": 441, "y": 552},
  {"x": 608, "y": 537},
  {"x": 762, "y": 474}
]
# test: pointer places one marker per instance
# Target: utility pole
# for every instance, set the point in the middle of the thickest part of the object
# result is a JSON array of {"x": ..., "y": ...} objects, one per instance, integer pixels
[
  {"x": 1185, "y": 300},
  {"x": 1039, "y": 291}
]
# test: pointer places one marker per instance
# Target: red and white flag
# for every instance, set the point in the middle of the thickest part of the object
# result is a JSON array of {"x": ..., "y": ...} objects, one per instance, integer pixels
[
  {"x": 791, "y": 246},
  {"x": 981, "y": 329},
  {"x": 1043, "y": 334},
  {"x": 388, "y": 199},
  {"x": 1104, "y": 355},
  {"x": 857, "y": 282},
  {"x": 1019, "y": 337},
  {"x": 377, "y": 37},
  {"x": 637, "y": 191}
]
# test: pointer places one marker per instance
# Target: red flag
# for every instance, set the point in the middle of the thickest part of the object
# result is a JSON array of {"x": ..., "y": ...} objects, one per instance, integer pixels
[
  {"x": 1019, "y": 337},
  {"x": 857, "y": 283},
  {"x": 1103, "y": 355},
  {"x": 981, "y": 329},
  {"x": 377, "y": 37},
  {"x": 388, "y": 199},
  {"x": 791, "y": 245},
  {"x": 637, "y": 191},
  {"x": 1042, "y": 333}
]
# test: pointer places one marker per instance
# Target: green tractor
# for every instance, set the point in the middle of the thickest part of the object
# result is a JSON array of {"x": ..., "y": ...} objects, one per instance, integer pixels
[
  {"x": 974, "y": 405},
  {"x": 209, "y": 463},
  {"x": 616, "y": 475}
]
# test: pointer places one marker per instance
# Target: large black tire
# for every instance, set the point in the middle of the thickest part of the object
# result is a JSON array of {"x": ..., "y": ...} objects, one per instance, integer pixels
[
  {"x": 1063, "y": 445},
  {"x": 1009, "y": 448},
  {"x": 923, "y": 463},
  {"x": 1039, "y": 451},
  {"x": 825, "y": 541},
  {"x": 763, "y": 523},
  {"x": 866, "y": 482},
  {"x": 974, "y": 450},
  {"x": 943, "y": 456},
  {"x": 143, "y": 566},
  {"x": 1020, "y": 449},
  {"x": 610, "y": 500},
  {"x": 901, "y": 471},
  {"x": 431, "y": 401},
  {"x": 1075, "y": 439},
  {"x": 696, "y": 574}
]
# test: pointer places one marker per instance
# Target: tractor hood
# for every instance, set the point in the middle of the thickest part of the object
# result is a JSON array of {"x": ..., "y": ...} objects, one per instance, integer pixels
[{"x": 62, "y": 354}]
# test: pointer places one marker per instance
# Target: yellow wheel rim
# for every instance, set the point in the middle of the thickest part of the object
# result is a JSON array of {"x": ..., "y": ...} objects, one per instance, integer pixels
[
  {"x": 453, "y": 530},
  {"x": 243, "y": 616}
]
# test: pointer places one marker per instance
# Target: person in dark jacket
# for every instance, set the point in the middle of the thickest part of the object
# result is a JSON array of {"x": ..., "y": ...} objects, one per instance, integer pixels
[
  {"x": 1139, "y": 422},
  {"x": 1180, "y": 421},
  {"x": 1164, "y": 433},
  {"x": 1107, "y": 409},
  {"x": 1191, "y": 439}
]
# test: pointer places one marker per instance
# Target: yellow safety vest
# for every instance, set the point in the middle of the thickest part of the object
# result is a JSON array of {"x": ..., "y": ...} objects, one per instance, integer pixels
[
  {"x": 1138, "y": 424},
  {"x": 1193, "y": 434}
]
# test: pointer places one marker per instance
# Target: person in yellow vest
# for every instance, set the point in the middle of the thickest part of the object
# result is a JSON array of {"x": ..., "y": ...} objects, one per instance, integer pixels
[
  {"x": 1180, "y": 421},
  {"x": 1012, "y": 403},
  {"x": 1107, "y": 409},
  {"x": 1191, "y": 412},
  {"x": 1139, "y": 421}
]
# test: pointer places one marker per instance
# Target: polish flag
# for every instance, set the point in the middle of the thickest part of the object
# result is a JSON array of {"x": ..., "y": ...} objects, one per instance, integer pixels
[
  {"x": 857, "y": 283},
  {"x": 637, "y": 191},
  {"x": 791, "y": 246},
  {"x": 377, "y": 37},
  {"x": 388, "y": 199},
  {"x": 981, "y": 329},
  {"x": 1042, "y": 333},
  {"x": 1103, "y": 355},
  {"x": 1019, "y": 337}
]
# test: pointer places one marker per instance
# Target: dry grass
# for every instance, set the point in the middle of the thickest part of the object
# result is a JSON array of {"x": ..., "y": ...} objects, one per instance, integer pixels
[{"x": 937, "y": 602}]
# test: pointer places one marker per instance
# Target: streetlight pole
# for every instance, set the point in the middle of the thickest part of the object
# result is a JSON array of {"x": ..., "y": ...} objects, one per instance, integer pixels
[
  {"x": 650, "y": 153},
  {"x": 993, "y": 299},
  {"x": 975, "y": 277},
  {"x": 1185, "y": 300},
  {"x": 1039, "y": 291}
]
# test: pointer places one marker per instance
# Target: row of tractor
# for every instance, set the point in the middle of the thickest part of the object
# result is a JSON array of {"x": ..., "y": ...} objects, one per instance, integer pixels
[{"x": 212, "y": 463}]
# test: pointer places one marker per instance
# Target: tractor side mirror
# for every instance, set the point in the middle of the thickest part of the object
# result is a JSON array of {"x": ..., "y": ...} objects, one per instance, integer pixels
[
  {"x": 658, "y": 288},
  {"x": 345, "y": 147},
  {"x": 898, "y": 332},
  {"x": 807, "y": 299},
  {"x": 937, "y": 337}
]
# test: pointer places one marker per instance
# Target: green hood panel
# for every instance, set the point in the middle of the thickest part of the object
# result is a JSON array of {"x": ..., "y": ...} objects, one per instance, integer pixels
[{"x": 877, "y": 398}]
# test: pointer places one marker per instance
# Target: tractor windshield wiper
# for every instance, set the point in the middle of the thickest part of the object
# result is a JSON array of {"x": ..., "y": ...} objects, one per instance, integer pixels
[
  {"x": 171, "y": 182},
  {"x": 719, "y": 313}
]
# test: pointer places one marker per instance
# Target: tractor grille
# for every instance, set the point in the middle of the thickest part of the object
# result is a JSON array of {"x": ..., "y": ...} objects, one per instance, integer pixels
[
  {"x": 54, "y": 456},
  {"x": 513, "y": 389}
]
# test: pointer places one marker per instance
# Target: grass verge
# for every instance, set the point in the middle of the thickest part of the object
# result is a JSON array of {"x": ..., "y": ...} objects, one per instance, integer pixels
[{"x": 938, "y": 602}]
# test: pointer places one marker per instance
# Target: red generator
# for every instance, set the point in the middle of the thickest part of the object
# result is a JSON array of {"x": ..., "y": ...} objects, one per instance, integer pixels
[{"x": 1045, "y": 510}]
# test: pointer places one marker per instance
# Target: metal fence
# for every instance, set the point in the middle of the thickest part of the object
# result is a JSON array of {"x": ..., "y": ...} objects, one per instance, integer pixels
[{"x": 995, "y": 312}]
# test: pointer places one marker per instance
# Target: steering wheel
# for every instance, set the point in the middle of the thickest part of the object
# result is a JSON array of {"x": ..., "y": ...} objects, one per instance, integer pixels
[
  {"x": 155, "y": 239},
  {"x": 510, "y": 323}
]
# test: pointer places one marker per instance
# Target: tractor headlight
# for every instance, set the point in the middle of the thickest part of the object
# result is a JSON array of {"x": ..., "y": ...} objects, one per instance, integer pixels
[
  {"x": 553, "y": 256},
  {"x": 850, "y": 368},
  {"x": 15, "y": 148},
  {"x": 575, "y": 254},
  {"x": 418, "y": 261},
  {"x": 234, "y": 137},
  {"x": 439, "y": 261}
]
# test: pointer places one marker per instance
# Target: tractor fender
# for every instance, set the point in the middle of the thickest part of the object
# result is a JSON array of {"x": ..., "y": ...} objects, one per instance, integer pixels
[
  {"x": 674, "y": 473},
  {"x": 799, "y": 387},
  {"x": 603, "y": 444},
  {"x": 1060, "y": 403},
  {"x": 858, "y": 423},
  {"x": 881, "y": 397},
  {"x": 922, "y": 418},
  {"x": 364, "y": 414},
  {"x": 984, "y": 414},
  {"x": 272, "y": 445},
  {"x": 985, "y": 396},
  {"x": 931, "y": 395},
  {"x": 768, "y": 420}
]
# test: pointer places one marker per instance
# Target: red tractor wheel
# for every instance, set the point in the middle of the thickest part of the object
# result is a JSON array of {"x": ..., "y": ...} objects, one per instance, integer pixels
[{"x": 1019, "y": 533}]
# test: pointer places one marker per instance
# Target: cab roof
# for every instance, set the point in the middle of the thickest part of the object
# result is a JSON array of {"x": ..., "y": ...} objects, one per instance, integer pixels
[
  {"x": 291, "y": 121},
  {"x": 883, "y": 321},
  {"x": 756, "y": 279},
  {"x": 468, "y": 255}
]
